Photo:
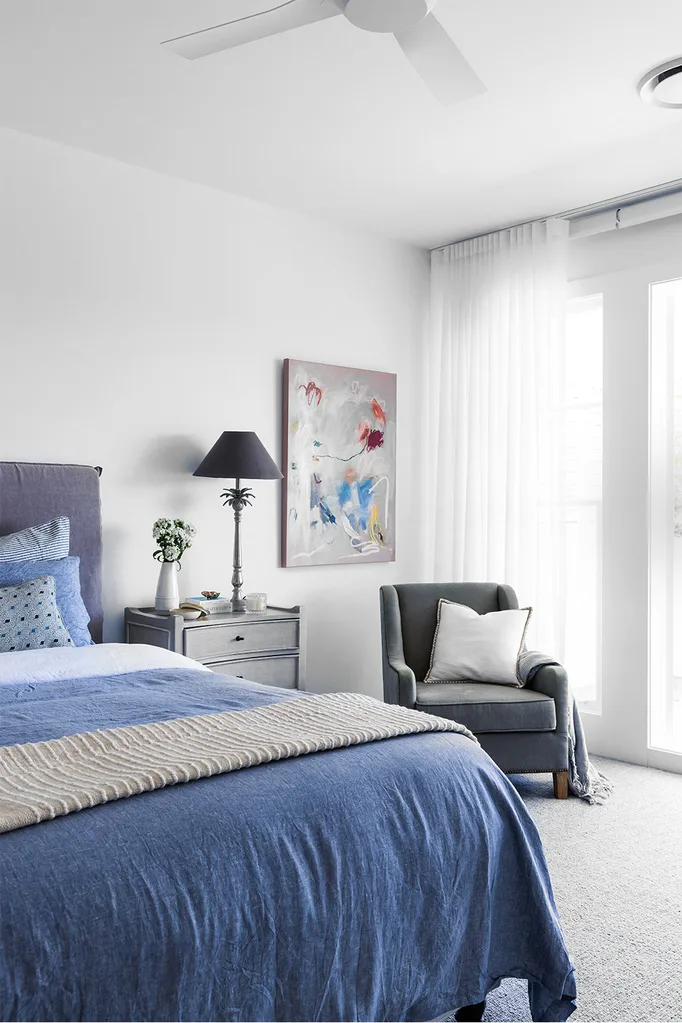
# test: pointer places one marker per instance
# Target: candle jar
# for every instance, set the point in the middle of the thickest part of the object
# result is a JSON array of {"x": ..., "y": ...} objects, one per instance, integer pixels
[{"x": 256, "y": 603}]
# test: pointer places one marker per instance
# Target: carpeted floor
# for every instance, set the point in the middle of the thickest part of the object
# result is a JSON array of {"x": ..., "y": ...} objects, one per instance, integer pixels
[{"x": 617, "y": 876}]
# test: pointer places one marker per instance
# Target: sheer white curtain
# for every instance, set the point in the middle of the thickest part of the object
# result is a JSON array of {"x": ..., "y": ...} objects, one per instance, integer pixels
[{"x": 495, "y": 407}]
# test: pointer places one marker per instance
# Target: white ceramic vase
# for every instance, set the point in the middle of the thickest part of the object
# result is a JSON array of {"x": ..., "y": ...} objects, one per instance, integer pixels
[{"x": 167, "y": 592}]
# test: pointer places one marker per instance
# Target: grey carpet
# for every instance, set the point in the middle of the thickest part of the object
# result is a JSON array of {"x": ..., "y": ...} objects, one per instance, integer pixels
[{"x": 617, "y": 876}]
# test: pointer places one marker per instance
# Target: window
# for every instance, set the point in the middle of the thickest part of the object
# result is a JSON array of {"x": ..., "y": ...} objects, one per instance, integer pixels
[{"x": 583, "y": 496}]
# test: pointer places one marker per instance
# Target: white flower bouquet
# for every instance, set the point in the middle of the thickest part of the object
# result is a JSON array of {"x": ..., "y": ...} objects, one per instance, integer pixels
[{"x": 174, "y": 537}]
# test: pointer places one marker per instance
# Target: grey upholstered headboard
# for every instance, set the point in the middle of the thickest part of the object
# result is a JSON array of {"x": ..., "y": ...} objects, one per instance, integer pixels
[{"x": 31, "y": 493}]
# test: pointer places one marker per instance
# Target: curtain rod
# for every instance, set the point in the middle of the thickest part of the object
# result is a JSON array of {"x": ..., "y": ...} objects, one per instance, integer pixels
[{"x": 617, "y": 212}]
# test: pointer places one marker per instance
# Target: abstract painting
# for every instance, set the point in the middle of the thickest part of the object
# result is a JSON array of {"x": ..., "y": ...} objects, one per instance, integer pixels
[{"x": 338, "y": 464}]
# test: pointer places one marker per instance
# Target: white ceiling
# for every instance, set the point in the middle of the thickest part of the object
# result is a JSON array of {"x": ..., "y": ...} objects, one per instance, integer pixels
[{"x": 333, "y": 121}]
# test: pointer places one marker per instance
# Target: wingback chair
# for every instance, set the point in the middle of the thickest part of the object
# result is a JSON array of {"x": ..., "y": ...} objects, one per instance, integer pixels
[{"x": 524, "y": 730}]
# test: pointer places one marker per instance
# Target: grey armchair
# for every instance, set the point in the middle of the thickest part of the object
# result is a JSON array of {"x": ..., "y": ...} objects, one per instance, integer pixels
[{"x": 524, "y": 730}]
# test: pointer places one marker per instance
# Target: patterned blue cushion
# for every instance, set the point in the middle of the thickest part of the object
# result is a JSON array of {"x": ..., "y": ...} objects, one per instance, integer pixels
[
  {"x": 51, "y": 540},
  {"x": 66, "y": 574},
  {"x": 30, "y": 618}
]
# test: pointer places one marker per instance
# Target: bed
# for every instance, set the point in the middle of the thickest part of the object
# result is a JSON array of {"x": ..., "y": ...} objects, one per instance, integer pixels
[{"x": 393, "y": 880}]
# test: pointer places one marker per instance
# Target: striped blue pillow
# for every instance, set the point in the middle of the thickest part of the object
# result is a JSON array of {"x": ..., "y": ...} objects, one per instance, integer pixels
[{"x": 37, "y": 543}]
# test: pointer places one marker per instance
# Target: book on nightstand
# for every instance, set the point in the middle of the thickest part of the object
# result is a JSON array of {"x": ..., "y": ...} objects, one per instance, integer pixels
[{"x": 215, "y": 605}]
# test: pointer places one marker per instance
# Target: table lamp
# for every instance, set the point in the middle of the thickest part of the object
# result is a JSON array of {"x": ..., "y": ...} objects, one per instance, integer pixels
[{"x": 238, "y": 455}]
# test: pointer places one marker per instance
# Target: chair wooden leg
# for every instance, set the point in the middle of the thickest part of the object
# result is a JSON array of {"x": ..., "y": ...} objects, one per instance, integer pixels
[{"x": 560, "y": 784}]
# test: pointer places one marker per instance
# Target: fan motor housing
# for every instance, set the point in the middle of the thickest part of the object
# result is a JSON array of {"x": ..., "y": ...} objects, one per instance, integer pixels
[{"x": 387, "y": 15}]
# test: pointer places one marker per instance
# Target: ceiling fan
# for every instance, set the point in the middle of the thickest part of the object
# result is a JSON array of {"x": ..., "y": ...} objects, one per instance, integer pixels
[{"x": 420, "y": 36}]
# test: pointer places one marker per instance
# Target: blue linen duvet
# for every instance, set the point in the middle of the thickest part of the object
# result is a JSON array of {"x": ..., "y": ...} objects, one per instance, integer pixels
[{"x": 390, "y": 881}]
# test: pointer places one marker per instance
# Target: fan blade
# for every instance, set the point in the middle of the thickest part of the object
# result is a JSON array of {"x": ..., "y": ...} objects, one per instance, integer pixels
[
  {"x": 285, "y": 16},
  {"x": 436, "y": 59}
]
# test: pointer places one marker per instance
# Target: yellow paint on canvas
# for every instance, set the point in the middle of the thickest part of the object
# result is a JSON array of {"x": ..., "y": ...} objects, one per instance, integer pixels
[{"x": 373, "y": 527}]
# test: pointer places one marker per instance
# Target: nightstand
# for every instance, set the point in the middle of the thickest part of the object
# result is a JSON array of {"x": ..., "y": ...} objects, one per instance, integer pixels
[{"x": 267, "y": 647}]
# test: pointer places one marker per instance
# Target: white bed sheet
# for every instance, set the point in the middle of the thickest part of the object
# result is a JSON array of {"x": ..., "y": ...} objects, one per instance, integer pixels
[{"x": 86, "y": 661}]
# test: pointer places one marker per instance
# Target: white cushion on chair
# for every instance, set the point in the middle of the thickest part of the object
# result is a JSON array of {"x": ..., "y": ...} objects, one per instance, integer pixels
[{"x": 468, "y": 647}]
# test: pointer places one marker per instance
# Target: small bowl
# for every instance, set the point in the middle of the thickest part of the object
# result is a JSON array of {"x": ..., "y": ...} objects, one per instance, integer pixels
[
  {"x": 188, "y": 615},
  {"x": 210, "y": 594}
]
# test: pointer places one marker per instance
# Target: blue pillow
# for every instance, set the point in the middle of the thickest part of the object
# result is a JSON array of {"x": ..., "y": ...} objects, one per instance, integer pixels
[
  {"x": 51, "y": 540},
  {"x": 66, "y": 574},
  {"x": 30, "y": 618}
]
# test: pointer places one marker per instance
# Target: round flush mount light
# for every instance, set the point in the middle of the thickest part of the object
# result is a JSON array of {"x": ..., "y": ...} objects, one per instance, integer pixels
[
  {"x": 387, "y": 15},
  {"x": 662, "y": 86}
]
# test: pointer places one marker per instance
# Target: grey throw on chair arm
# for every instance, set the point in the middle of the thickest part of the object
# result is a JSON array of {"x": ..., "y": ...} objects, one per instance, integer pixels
[{"x": 550, "y": 679}]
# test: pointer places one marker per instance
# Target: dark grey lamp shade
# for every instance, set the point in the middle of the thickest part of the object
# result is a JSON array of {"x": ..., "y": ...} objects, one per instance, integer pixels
[{"x": 238, "y": 454}]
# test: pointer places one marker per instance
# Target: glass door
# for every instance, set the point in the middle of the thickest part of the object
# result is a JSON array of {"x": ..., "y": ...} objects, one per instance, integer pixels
[
  {"x": 607, "y": 660},
  {"x": 626, "y": 643},
  {"x": 665, "y": 683}
]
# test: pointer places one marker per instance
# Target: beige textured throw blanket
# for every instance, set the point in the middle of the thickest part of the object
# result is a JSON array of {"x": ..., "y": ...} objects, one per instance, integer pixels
[{"x": 42, "y": 780}]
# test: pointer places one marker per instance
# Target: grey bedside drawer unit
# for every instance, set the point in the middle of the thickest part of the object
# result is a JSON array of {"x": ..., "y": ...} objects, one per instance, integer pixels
[{"x": 267, "y": 647}]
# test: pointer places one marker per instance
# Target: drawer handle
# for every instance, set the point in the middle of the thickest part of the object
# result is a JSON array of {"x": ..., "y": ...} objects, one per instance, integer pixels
[{"x": 238, "y": 639}]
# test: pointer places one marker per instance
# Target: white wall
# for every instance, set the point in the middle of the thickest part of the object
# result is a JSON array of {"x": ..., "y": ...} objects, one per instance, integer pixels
[{"x": 140, "y": 316}]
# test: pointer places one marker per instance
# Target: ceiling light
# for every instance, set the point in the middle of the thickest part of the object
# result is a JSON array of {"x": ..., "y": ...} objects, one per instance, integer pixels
[
  {"x": 662, "y": 85},
  {"x": 386, "y": 15}
]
